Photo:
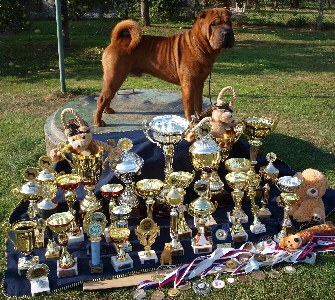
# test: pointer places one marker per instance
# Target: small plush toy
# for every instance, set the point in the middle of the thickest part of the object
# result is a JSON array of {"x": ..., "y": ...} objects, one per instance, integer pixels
[
  {"x": 80, "y": 139},
  {"x": 295, "y": 241},
  {"x": 310, "y": 206}
]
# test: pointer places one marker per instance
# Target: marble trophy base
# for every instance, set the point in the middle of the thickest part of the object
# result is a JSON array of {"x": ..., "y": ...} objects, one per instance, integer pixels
[
  {"x": 264, "y": 213},
  {"x": 122, "y": 265},
  {"x": 177, "y": 250},
  {"x": 96, "y": 269},
  {"x": 73, "y": 271},
  {"x": 242, "y": 237},
  {"x": 202, "y": 249},
  {"x": 148, "y": 259},
  {"x": 76, "y": 238},
  {"x": 40, "y": 285},
  {"x": 23, "y": 266},
  {"x": 243, "y": 218},
  {"x": 185, "y": 234},
  {"x": 258, "y": 228}
]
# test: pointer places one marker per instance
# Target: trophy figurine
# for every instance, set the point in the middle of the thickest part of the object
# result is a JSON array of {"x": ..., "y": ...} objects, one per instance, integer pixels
[
  {"x": 288, "y": 185},
  {"x": 237, "y": 231},
  {"x": 69, "y": 183},
  {"x": 38, "y": 277},
  {"x": 120, "y": 215},
  {"x": 122, "y": 260},
  {"x": 94, "y": 225},
  {"x": 24, "y": 232},
  {"x": 264, "y": 211},
  {"x": 129, "y": 165},
  {"x": 61, "y": 224},
  {"x": 206, "y": 156},
  {"x": 201, "y": 210},
  {"x": 174, "y": 198}
]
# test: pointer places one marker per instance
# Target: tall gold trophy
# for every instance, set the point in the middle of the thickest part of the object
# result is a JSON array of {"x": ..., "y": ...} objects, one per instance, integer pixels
[
  {"x": 288, "y": 185},
  {"x": 24, "y": 242},
  {"x": 147, "y": 231},
  {"x": 61, "y": 224}
]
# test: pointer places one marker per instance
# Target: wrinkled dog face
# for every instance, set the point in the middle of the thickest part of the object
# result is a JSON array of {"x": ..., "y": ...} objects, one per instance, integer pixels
[{"x": 219, "y": 31}]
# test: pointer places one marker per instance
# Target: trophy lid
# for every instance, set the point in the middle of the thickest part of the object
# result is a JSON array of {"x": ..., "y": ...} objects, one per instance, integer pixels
[
  {"x": 121, "y": 210},
  {"x": 169, "y": 124},
  {"x": 47, "y": 204},
  {"x": 45, "y": 175},
  {"x": 29, "y": 188}
]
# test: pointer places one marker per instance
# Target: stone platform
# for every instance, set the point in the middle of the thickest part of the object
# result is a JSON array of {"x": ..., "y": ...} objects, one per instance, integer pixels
[{"x": 132, "y": 108}]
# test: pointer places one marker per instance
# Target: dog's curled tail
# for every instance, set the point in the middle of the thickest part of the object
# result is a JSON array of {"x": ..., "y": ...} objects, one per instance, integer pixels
[{"x": 126, "y": 29}]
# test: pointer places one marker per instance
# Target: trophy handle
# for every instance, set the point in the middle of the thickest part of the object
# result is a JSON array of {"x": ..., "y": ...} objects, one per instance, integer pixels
[
  {"x": 62, "y": 147},
  {"x": 146, "y": 133},
  {"x": 6, "y": 228}
]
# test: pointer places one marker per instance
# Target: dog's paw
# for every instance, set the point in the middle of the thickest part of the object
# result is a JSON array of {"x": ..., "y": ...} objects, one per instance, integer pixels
[
  {"x": 100, "y": 123},
  {"x": 109, "y": 110}
]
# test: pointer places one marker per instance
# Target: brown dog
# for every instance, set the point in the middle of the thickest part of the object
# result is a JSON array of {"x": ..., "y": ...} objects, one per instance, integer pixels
[{"x": 183, "y": 59}]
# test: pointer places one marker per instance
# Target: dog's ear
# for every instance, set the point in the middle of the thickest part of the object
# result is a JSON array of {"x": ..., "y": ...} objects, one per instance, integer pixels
[{"x": 202, "y": 15}]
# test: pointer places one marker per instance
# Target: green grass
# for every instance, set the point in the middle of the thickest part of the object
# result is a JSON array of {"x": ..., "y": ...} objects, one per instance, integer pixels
[{"x": 276, "y": 71}]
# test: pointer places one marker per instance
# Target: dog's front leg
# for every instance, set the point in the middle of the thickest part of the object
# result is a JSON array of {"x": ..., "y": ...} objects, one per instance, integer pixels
[
  {"x": 188, "y": 102},
  {"x": 197, "y": 98}
]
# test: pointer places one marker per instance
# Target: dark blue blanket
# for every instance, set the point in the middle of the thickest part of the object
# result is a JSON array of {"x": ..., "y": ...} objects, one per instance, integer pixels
[{"x": 153, "y": 168}]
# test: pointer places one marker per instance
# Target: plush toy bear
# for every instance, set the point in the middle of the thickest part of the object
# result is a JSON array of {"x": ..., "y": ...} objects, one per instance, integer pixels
[
  {"x": 295, "y": 241},
  {"x": 80, "y": 139},
  {"x": 310, "y": 206}
]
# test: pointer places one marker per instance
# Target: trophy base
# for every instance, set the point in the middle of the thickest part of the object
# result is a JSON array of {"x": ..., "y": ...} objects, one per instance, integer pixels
[
  {"x": 178, "y": 250},
  {"x": 79, "y": 237},
  {"x": 185, "y": 235},
  {"x": 239, "y": 237},
  {"x": 257, "y": 229},
  {"x": 96, "y": 269},
  {"x": 24, "y": 263},
  {"x": 122, "y": 265},
  {"x": 148, "y": 259},
  {"x": 264, "y": 213},
  {"x": 201, "y": 249},
  {"x": 222, "y": 198},
  {"x": 73, "y": 271},
  {"x": 224, "y": 245},
  {"x": 39, "y": 286},
  {"x": 232, "y": 219}
]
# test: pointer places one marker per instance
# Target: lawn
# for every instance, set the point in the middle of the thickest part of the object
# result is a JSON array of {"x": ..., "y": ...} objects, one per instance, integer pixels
[{"x": 275, "y": 71}]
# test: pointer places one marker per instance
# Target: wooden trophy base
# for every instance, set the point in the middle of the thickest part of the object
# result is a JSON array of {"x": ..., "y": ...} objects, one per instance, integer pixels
[
  {"x": 148, "y": 259},
  {"x": 73, "y": 271},
  {"x": 185, "y": 235},
  {"x": 122, "y": 265},
  {"x": 240, "y": 237}
]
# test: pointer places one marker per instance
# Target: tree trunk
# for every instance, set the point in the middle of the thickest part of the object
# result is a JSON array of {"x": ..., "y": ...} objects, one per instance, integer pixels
[
  {"x": 65, "y": 23},
  {"x": 319, "y": 21},
  {"x": 145, "y": 13}
]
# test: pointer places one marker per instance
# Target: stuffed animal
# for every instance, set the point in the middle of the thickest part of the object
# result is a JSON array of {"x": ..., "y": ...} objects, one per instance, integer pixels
[
  {"x": 80, "y": 139},
  {"x": 310, "y": 206},
  {"x": 295, "y": 241},
  {"x": 166, "y": 256}
]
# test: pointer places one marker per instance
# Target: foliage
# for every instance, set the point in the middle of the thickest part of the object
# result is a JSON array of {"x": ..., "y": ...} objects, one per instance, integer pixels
[
  {"x": 163, "y": 10},
  {"x": 13, "y": 15}
]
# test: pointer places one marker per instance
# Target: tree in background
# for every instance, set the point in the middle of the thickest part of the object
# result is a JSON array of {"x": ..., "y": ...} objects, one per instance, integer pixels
[
  {"x": 145, "y": 17},
  {"x": 14, "y": 15}
]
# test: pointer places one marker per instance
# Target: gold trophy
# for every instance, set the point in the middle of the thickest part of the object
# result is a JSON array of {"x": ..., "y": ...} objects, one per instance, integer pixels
[
  {"x": 24, "y": 232},
  {"x": 270, "y": 172},
  {"x": 237, "y": 179},
  {"x": 94, "y": 225},
  {"x": 237, "y": 231},
  {"x": 38, "y": 277},
  {"x": 174, "y": 198},
  {"x": 288, "y": 185},
  {"x": 201, "y": 210},
  {"x": 122, "y": 261},
  {"x": 181, "y": 180},
  {"x": 120, "y": 215},
  {"x": 264, "y": 211},
  {"x": 69, "y": 183},
  {"x": 61, "y": 224}
]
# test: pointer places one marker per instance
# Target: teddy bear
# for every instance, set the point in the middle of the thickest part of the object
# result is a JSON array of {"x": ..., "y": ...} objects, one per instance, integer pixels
[
  {"x": 80, "y": 139},
  {"x": 295, "y": 241},
  {"x": 310, "y": 207}
]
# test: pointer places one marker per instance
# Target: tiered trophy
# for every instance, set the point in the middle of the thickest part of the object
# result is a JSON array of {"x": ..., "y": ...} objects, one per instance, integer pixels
[
  {"x": 174, "y": 198},
  {"x": 206, "y": 156},
  {"x": 24, "y": 232},
  {"x": 130, "y": 165},
  {"x": 122, "y": 261},
  {"x": 201, "y": 210},
  {"x": 167, "y": 131},
  {"x": 237, "y": 179},
  {"x": 61, "y": 224},
  {"x": 119, "y": 219},
  {"x": 288, "y": 185},
  {"x": 147, "y": 230},
  {"x": 94, "y": 225}
]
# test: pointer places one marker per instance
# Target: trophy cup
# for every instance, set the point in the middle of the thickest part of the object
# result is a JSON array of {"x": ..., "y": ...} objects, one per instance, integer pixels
[
  {"x": 167, "y": 131},
  {"x": 206, "y": 156},
  {"x": 69, "y": 183},
  {"x": 174, "y": 198},
  {"x": 288, "y": 185},
  {"x": 237, "y": 179},
  {"x": 120, "y": 215},
  {"x": 38, "y": 277},
  {"x": 201, "y": 209},
  {"x": 94, "y": 225},
  {"x": 130, "y": 164},
  {"x": 61, "y": 224},
  {"x": 181, "y": 180},
  {"x": 122, "y": 261},
  {"x": 24, "y": 232}
]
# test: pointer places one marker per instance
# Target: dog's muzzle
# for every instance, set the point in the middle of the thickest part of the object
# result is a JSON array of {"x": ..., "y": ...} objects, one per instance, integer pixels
[{"x": 228, "y": 38}]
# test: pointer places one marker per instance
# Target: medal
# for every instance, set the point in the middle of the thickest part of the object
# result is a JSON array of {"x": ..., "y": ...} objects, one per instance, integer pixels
[
  {"x": 157, "y": 295},
  {"x": 273, "y": 274},
  {"x": 231, "y": 264},
  {"x": 218, "y": 284},
  {"x": 260, "y": 257},
  {"x": 244, "y": 278},
  {"x": 173, "y": 292},
  {"x": 231, "y": 280},
  {"x": 201, "y": 287},
  {"x": 259, "y": 275},
  {"x": 185, "y": 286},
  {"x": 289, "y": 270},
  {"x": 139, "y": 294}
]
